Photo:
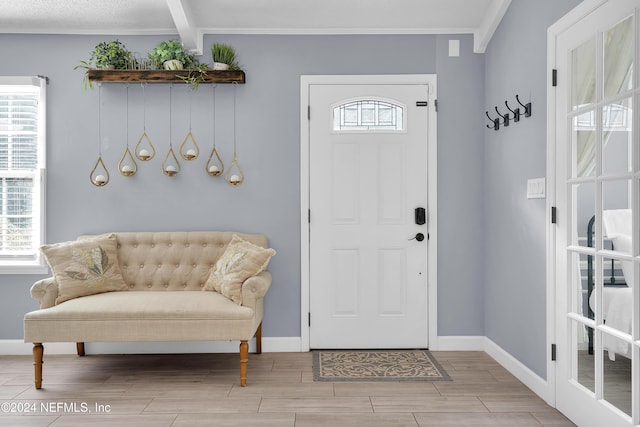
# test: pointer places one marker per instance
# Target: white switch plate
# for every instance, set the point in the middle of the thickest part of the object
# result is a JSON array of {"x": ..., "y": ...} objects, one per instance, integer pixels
[{"x": 536, "y": 188}]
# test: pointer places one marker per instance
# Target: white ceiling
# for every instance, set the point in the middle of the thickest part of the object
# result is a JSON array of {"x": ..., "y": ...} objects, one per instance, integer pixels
[{"x": 191, "y": 19}]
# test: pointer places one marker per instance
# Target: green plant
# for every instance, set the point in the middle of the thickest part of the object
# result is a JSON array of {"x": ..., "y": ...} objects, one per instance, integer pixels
[
  {"x": 170, "y": 49},
  {"x": 112, "y": 54},
  {"x": 225, "y": 54},
  {"x": 196, "y": 75}
]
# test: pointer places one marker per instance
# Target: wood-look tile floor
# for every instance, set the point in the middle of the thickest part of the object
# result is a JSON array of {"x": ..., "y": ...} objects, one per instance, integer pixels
[{"x": 191, "y": 390}]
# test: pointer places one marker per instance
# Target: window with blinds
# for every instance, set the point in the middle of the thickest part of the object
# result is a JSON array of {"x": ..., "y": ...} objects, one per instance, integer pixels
[{"x": 22, "y": 156}]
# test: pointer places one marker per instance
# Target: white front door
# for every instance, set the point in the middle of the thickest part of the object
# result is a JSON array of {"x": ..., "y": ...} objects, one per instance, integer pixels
[
  {"x": 597, "y": 152},
  {"x": 368, "y": 182}
]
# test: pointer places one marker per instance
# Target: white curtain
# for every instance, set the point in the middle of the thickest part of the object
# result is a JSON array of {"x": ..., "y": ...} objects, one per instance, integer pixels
[{"x": 618, "y": 70}]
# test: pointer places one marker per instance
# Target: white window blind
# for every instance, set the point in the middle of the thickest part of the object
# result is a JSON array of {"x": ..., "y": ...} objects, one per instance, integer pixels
[{"x": 22, "y": 156}]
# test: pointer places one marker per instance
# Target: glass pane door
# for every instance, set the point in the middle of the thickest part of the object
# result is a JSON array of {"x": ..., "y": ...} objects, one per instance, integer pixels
[{"x": 598, "y": 188}]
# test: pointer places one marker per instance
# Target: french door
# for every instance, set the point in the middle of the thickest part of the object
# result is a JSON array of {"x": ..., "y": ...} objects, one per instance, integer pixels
[{"x": 597, "y": 235}]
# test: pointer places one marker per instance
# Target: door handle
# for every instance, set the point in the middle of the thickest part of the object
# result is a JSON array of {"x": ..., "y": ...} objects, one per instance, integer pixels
[{"x": 419, "y": 237}]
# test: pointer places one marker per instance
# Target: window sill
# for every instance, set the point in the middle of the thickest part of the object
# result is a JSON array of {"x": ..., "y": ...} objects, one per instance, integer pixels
[{"x": 23, "y": 268}]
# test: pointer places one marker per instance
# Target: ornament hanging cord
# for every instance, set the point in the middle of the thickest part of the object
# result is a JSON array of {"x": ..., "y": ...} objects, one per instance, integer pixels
[
  {"x": 213, "y": 121},
  {"x": 235, "y": 86}
]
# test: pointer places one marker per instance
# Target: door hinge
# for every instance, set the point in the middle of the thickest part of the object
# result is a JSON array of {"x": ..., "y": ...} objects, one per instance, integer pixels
[
  {"x": 554, "y": 215},
  {"x": 435, "y": 104},
  {"x": 309, "y": 318},
  {"x": 308, "y": 112},
  {"x": 309, "y": 216},
  {"x": 553, "y": 352},
  {"x": 554, "y": 77}
]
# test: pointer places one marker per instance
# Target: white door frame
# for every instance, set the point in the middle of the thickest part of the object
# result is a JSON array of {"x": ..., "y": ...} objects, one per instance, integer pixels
[
  {"x": 432, "y": 209},
  {"x": 555, "y": 31}
]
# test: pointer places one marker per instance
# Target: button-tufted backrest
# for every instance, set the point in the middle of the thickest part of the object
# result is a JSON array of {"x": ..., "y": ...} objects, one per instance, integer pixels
[{"x": 173, "y": 261}]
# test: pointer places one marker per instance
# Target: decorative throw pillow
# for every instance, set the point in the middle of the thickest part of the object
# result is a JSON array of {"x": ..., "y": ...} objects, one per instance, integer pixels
[
  {"x": 85, "y": 266},
  {"x": 240, "y": 260}
]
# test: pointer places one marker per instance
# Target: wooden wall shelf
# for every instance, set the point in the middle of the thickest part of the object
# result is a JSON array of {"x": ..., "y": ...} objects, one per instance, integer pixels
[{"x": 162, "y": 76}]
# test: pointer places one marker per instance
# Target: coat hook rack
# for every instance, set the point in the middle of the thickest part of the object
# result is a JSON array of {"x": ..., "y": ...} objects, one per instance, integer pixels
[
  {"x": 516, "y": 112},
  {"x": 505, "y": 117},
  {"x": 527, "y": 107},
  {"x": 495, "y": 122}
]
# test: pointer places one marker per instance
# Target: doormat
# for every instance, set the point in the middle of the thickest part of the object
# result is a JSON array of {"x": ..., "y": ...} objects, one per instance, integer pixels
[{"x": 376, "y": 365}]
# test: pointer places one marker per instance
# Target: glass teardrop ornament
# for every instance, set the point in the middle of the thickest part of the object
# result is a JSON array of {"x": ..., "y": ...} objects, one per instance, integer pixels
[
  {"x": 144, "y": 148},
  {"x": 127, "y": 164},
  {"x": 235, "y": 175},
  {"x": 170, "y": 164},
  {"x": 189, "y": 151},
  {"x": 214, "y": 166},
  {"x": 99, "y": 175}
]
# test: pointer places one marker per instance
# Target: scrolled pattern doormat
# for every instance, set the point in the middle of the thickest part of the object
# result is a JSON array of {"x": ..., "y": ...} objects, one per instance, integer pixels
[{"x": 376, "y": 365}]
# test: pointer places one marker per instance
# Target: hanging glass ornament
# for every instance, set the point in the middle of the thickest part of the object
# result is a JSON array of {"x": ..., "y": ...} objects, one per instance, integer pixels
[
  {"x": 214, "y": 166},
  {"x": 170, "y": 164},
  {"x": 144, "y": 148},
  {"x": 127, "y": 164},
  {"x": 99, "y": 175},
  {"x": 189, "y": 149},
  {"x": 235, "y": 174}
]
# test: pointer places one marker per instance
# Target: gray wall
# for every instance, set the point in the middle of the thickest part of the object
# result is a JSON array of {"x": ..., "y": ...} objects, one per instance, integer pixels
[
  {"x": 514, "y": 255},
  {"x": 460, "y": 190},
  {"x": 268, "y": 138},
  {"x": 491, "y": 266}
]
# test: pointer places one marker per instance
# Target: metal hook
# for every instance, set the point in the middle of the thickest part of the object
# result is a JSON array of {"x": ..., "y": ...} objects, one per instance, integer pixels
[
  {"x": 496, "y": 122},
  {"x": 527, "y": 107},
  {"x": 516, "y": 112},
  {"x": 505, "y": 117}
]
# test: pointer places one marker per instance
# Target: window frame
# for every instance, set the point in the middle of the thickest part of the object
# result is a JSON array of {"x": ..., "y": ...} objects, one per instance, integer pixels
[
  {"x": 33, "y": 263},
  {"x": 363, "y": 128}
]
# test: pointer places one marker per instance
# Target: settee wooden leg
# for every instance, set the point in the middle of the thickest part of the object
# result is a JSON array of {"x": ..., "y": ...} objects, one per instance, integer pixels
[
  {"x": 244, "y": 358},
  {"x": 259, "y": 339},
  {"x": 80, "y": 348},
  {"x": 38, "y": 351}
]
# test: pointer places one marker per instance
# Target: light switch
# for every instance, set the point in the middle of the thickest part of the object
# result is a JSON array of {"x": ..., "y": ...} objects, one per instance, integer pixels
[{"x": 536, "y": 188}]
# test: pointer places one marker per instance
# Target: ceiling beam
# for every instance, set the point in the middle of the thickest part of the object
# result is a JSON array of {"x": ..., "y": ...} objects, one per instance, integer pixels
[
  {"x": 482, "y": 35},
  {"x": 192, "y": 39}
]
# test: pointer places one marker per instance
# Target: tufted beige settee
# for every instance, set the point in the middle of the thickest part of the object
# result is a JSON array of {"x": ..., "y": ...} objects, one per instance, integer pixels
[{"x": 165, "y": 273}]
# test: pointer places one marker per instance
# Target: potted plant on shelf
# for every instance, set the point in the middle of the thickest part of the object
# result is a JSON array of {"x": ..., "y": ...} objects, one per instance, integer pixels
[
  {"x": 224, "y": 57},
  {"x": 111, "y": 55},
  {"x": 170, "y": 55}
]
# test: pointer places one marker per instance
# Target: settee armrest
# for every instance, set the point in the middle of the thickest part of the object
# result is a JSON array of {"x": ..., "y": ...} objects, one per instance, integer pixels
[
  {"x": 255, "y": 288},
  {"x": 45, "y": 291}
]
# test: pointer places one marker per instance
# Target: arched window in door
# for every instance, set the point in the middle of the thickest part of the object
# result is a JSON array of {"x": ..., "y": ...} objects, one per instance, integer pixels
[{"x": 368, "y": 115}]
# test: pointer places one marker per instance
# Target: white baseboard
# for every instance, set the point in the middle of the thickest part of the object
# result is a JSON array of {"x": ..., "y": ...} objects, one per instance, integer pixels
[
  {"x": 529, "y": 378},
  {"x": 480, "y": 343},
  {"x": 269, "y": 345}
]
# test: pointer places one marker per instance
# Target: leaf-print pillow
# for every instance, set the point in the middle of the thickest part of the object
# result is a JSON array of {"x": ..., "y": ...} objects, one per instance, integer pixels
[
  {"x": 85, "y": 267},
  {"x": 240, "y": 260}
]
